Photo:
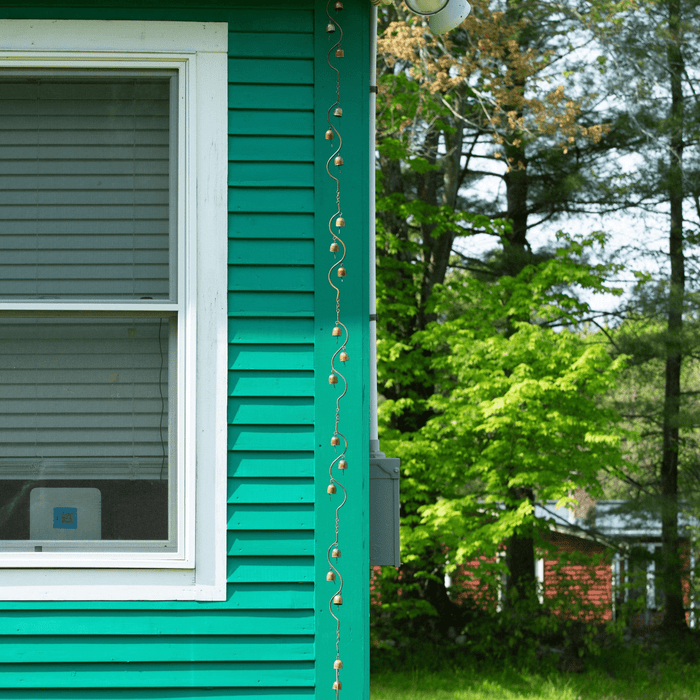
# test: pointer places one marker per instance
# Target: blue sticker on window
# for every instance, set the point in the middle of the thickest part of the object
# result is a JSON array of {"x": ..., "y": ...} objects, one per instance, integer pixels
[{"x": 66, "y": 518}]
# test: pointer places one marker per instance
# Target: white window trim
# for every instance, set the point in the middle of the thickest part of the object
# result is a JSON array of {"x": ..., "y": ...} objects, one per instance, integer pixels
[{"x": 199, "y": 52}]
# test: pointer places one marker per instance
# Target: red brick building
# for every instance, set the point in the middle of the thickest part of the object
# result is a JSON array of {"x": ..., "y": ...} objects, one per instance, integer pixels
[{"x": 599, "y": 561}]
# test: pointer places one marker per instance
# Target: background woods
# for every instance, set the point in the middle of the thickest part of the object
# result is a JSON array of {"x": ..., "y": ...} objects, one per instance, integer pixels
[{"x": 537, "y": 217}]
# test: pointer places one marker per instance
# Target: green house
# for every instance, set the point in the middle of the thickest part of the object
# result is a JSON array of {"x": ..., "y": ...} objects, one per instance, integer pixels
[{"x": 173, "y": 369}]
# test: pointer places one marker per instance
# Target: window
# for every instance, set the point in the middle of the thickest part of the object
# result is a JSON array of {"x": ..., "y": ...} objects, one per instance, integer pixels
[{"x": 112, "y": 310}]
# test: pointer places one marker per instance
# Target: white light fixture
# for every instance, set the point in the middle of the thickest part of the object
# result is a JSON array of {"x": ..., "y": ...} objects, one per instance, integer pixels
[
  {"x": 426, "y": 7},
  {"x": 442, "y": 15}
]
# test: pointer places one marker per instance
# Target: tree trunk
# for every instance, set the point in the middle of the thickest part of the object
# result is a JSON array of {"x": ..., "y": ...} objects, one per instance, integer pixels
[
  {"x": 520, "y": 547},
  {"x": 516, "y": 181},
  {"x": 674, "y": 614},
  {"x": 520, "y": 560}
]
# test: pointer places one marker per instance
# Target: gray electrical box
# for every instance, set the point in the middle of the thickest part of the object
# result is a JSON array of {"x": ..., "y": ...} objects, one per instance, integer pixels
[{"x": 384, "y": 542}]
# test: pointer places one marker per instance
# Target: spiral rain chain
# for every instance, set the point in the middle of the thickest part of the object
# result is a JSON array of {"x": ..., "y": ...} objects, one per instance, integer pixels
[{"x": 340, "y": 332}]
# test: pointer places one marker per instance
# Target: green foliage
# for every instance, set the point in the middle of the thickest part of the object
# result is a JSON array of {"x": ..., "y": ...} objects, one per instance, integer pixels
[
  {"x": 637, "y": 396},
  {"x": 515, "y": 405},
  {"x": 563, "y": 628}
]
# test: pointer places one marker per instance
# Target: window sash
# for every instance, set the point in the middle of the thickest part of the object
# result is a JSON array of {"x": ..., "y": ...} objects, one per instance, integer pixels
[
  {"x": 85, "y": 303},
  {"x": 88, "y": 177},
  {"x": 198, "y": 52}
]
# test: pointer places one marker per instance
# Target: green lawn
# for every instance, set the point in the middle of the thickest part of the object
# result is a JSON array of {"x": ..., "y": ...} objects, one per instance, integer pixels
[{"x": 666, "y": 683}]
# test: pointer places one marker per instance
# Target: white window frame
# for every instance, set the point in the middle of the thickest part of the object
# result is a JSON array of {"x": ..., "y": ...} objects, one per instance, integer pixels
[{"x": 198, "y": 51}]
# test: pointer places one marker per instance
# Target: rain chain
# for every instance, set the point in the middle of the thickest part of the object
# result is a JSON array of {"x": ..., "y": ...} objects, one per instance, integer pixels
[{"x": 340, "y": 332}]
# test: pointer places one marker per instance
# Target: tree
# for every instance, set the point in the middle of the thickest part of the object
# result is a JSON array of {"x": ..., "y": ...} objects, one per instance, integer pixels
[
  {"x": 488, "y": 103},
  {"x": 648, "y": 50},
  {"x": 516, "y": 417}
]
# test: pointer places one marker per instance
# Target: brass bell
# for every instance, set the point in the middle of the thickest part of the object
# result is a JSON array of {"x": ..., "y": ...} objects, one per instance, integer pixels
[
  {"x": 337, "y": 685},
  {"x": 329, "y": 135},
  {"x": 338, "y": 6},
  {"x": 343, "y": 357},
  {"x": 335, "y": 440},
  {"x": 342, "y": 272},
  {"x": 340, "y": 221},
  {"x": 336, "y": 552},
  {"x": 339, "y": 160},
  {"x": 339, "y": 53},
  {"x": 336, "y": 332},
  {"x": 338, "y": 112},
  {"x": 342, "y": 464},
  {"x": 338, "y": 600},
  {"x": 334, "y": 247},
  {"x": 330, "y": 576},
  {"x": 332, "y": 379},
  {"x": 330, "y": 489},
  {"x": 337, "y": 664},
  {"x": 330, "y": 27}
]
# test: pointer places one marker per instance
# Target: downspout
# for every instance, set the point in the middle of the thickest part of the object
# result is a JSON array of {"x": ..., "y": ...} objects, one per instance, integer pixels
[
  {"x": 384, "y": 471},
  {"x": 374, "y": 422}
]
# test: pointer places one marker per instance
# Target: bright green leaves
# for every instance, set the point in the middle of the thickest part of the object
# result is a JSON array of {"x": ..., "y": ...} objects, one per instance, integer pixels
[{"x": 515, "y": 408}]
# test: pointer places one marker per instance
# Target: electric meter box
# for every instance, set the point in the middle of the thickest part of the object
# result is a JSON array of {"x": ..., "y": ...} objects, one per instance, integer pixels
[{"x": 384, "y": 541}]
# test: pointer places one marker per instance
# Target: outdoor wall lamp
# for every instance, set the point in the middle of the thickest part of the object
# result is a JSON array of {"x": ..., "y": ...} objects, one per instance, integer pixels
[{"x": 442, "y": 15}]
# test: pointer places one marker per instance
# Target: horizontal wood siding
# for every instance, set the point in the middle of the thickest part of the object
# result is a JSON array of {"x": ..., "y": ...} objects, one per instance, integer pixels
[
  {"x": 260, "y": 642},
  {"x": 271, "y": 334}
]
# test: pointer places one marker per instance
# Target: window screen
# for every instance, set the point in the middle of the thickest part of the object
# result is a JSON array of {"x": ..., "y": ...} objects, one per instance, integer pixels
[
  {"x": 85, "y": 186},
  {"x": 87, "y": 394}
]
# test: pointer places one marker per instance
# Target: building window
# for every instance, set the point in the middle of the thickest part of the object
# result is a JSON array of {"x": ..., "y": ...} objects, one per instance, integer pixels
[
  {"x": 113, "y": 166},
  {"x": 88, "y": 215}
]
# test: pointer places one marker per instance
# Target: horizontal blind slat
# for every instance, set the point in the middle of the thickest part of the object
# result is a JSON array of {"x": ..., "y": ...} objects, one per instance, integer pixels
[
  {"x": 85, "y": 388},
  {"x": 85, "y": 158}
]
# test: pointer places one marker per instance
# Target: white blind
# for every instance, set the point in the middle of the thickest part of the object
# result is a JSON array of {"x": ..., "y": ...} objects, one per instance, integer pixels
[
  {"x": 86, "y": 183},
  {"x": 84, "y": 398}
]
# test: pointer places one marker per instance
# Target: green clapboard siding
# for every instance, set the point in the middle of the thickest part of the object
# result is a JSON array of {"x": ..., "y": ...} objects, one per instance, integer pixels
[
  {"x": 154, "y": 675},
  {"x": 288, "y": 542},
  {"x": 271, "y": 357},
  {"x": 248, "y": 174},
  {"x": 270, "y": 464},
  {"x": 271, "y": 250},
  {"x": 271, "y": 304},
  {"x": 262, "y": 437},
  {"x": 159, "y": 622},
  {"x": 273, "y": 383},
  {"x": 271, "y": 330},
  {"x": 272, "y": 596},
  {"x": 270, "y": 96},
  {"x": 271, "y": 327},
  {"x": 271, "y": 517},
  {"x": 263, "y": 642},
  {"x": 271, "y": 148},
  {"x": 285, "y": 200},
  {"x": 275, "y": 71},
  {"x": 290, "y": 21},
  {"x": 273, "y": 569},
  {"x": 266, "y": 45},
  {"x": 124, "y": 649},
  {"x": 271, "y": 279},
  {"x": 289, "y": 410},
  {"x": 248, "y": 121},
  {"x": 159, "y": 694},
  {"x": 265, "y": 490},
  {"x": 271, "y": 225}
]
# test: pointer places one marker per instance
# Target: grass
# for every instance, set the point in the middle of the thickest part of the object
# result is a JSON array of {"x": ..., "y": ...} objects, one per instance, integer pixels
[{"x": 671, "y": 682}]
